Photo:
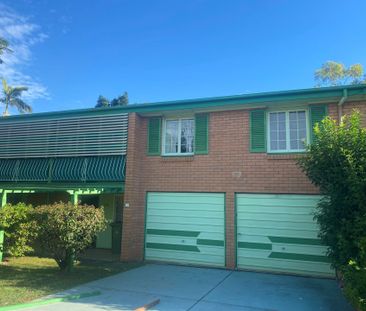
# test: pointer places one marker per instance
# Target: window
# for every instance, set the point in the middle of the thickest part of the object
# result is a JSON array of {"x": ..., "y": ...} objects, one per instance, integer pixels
[
  {"x": 287, "y": 131},
  {"x": 178, "y": 136}
]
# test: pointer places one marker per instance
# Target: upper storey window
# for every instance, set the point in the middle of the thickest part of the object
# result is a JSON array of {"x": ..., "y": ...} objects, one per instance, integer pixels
[
  {"x": 178, "y": 136},
  {"x": 182, "y": 136},
  {"x": 287, "y": 131}
]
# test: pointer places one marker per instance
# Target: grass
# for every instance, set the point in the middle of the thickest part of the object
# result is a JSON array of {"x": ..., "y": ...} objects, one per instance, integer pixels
[{"x": 28, "y": 278}]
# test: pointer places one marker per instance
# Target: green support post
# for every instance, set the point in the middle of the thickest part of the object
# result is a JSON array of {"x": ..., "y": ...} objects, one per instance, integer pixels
[
  {"x": 74, "y": 196},
  {"x": 3, "y": 198},
  {"x": 3, "y": 203}
]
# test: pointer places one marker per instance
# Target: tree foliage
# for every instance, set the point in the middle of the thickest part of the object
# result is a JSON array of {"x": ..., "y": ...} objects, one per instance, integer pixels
[
  {"x": 118, "y": 101},
  {"x": 65, "y": 230},
  {"x": 332, "y": 73},
  {"x": 4, "y": 47},
  {"x": 12, "y": 98},
  {"x": 102, "y": 102},
  {"x": 20, "y": 229}
]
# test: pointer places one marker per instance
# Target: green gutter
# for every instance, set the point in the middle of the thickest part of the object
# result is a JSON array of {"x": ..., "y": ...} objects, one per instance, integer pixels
[
  {"x": 312, "y": 94},
  {"x": 26, "y": 185}
]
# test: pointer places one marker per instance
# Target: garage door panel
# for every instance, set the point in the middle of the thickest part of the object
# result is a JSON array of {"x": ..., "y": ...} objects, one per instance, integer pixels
[
  {"x": 184, "y": 198},
  {"x": 279, "y": 232},
  {"x": 288, "y": 266},
  {"x": 278, "y": 236},
  {"x": 185, "y": 228},
  {"x": 283, "y": 225},
  {"x": 184, "y": 258},
  {"x": 298, "y": 217},
  {"x": 204, "y": 239},
  {"x": 277, "y": 210},
  {"x": 183, "y": 213},
  {"x": 278, "y": 200},
  {"x": 186, "y": 220},
  {"x": 300, "y": 249}
]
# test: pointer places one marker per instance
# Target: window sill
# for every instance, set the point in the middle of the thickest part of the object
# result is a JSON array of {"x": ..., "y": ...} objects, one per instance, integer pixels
[
  {"x": 285, "y": 155},
  {"x": 177, "y": 158},
  {"x": 178, "y": 155}
]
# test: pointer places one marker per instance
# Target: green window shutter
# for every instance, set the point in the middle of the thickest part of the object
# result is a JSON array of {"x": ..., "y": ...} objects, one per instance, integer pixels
[
  {"x": 317, "y": 114},
  {"x": 201, "y": 134},
  {"x": 153, "y": 136},
  {"x": 258, "y": 131}
]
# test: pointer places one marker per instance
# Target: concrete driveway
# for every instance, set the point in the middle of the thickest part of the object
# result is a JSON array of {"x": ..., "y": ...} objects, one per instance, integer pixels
[{"x": 187, "y": 288}]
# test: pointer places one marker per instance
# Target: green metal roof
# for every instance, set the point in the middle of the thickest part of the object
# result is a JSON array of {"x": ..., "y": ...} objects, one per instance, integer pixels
[{"x": 277, "y": 97}]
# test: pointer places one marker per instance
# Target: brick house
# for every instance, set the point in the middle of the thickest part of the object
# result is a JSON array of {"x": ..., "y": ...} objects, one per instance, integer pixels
[
  {"x": 214, "y": 181},
  {"x": 210, "y": 181}
]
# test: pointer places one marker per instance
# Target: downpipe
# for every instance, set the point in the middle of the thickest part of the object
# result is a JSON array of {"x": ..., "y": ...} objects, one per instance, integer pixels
[{"x": 340, "y": 104}]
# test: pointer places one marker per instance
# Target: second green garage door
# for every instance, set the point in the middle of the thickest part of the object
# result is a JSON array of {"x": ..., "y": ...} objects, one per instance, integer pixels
[
  {"x": 277, "y": 233},
  {"x": 187, "y": 228}
]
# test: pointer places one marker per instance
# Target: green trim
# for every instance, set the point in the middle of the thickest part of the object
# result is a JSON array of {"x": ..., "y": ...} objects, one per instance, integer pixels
[
  {"x": 258, "y": 131},
  {"x": 50, "y": 301},
  {"x": 176, "y": 247},
  {"x": 173, "y": 232},
  {"x": 145, "y": 224},
  {"x": 301, "y": 241},
  {"x": 300, "y": 257},
  {"x": 201, "y": 135},
  {"x": 278, "y": 97},
  {"x": 107, "y": 187},
  {"x": 236, "y": 229},
  {"x": 225, "y": 244},
  {"x": 3, "y": 197},
  {"x": 268, "y": 98},
  {"x": 210, "y": 242},
  {"x": 315, "y": 117},
  {"x": 252, "y": 245},
  {"x": 1, "y": 244},
  {"x": 154, "y": 130}
]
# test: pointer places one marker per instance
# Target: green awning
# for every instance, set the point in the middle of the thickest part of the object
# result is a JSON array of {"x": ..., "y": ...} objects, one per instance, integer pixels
[{"x": 68, "y": 169}]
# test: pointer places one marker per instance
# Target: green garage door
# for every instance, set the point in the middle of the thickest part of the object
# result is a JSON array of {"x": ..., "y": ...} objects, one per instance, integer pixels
[
  {"x": 277, "y": 233},
  {"x": 187, "y": 228}
]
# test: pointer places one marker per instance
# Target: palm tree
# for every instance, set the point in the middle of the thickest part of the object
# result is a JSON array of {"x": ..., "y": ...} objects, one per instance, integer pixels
[
  {"x": 3, "y": 47},
  {"x": 12, "y": 98}
]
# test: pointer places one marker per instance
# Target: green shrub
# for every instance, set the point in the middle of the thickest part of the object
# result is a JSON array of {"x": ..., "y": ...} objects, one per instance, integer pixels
[
  {"x": 336, "y": 163},
  {"x": 354, "y": 278},
  {"x": 20, "y": 229},
  {"x": 65, "y": 230}
]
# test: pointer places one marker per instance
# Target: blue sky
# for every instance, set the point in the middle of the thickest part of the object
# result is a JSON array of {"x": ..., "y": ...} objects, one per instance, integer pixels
[{"x": 69, "y": 52}]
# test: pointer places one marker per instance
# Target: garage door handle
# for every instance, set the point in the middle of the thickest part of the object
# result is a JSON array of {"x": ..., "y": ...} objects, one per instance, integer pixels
[
  {"x": 183, "y": 241},
  {"x": 239, "y": 233}
]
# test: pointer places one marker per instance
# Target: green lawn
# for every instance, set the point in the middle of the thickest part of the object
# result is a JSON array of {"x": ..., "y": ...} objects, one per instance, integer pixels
[{"x": 27, "y": 278}]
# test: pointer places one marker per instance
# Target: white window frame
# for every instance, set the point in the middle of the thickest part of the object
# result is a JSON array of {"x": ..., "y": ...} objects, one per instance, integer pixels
[
  {"x": 179, "y": 153},
  {"x": 288, "y": 149}
]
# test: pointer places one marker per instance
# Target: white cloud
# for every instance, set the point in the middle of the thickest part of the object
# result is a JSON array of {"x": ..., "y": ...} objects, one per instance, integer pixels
[{"x": 22, "y": 35}]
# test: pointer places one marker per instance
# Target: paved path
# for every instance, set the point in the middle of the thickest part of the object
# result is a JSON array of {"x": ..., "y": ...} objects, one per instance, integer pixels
[{"x": 201, "y": 289}]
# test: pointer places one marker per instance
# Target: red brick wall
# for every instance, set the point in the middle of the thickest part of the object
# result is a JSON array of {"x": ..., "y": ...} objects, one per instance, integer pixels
[{"x": 229, "y": 167}]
